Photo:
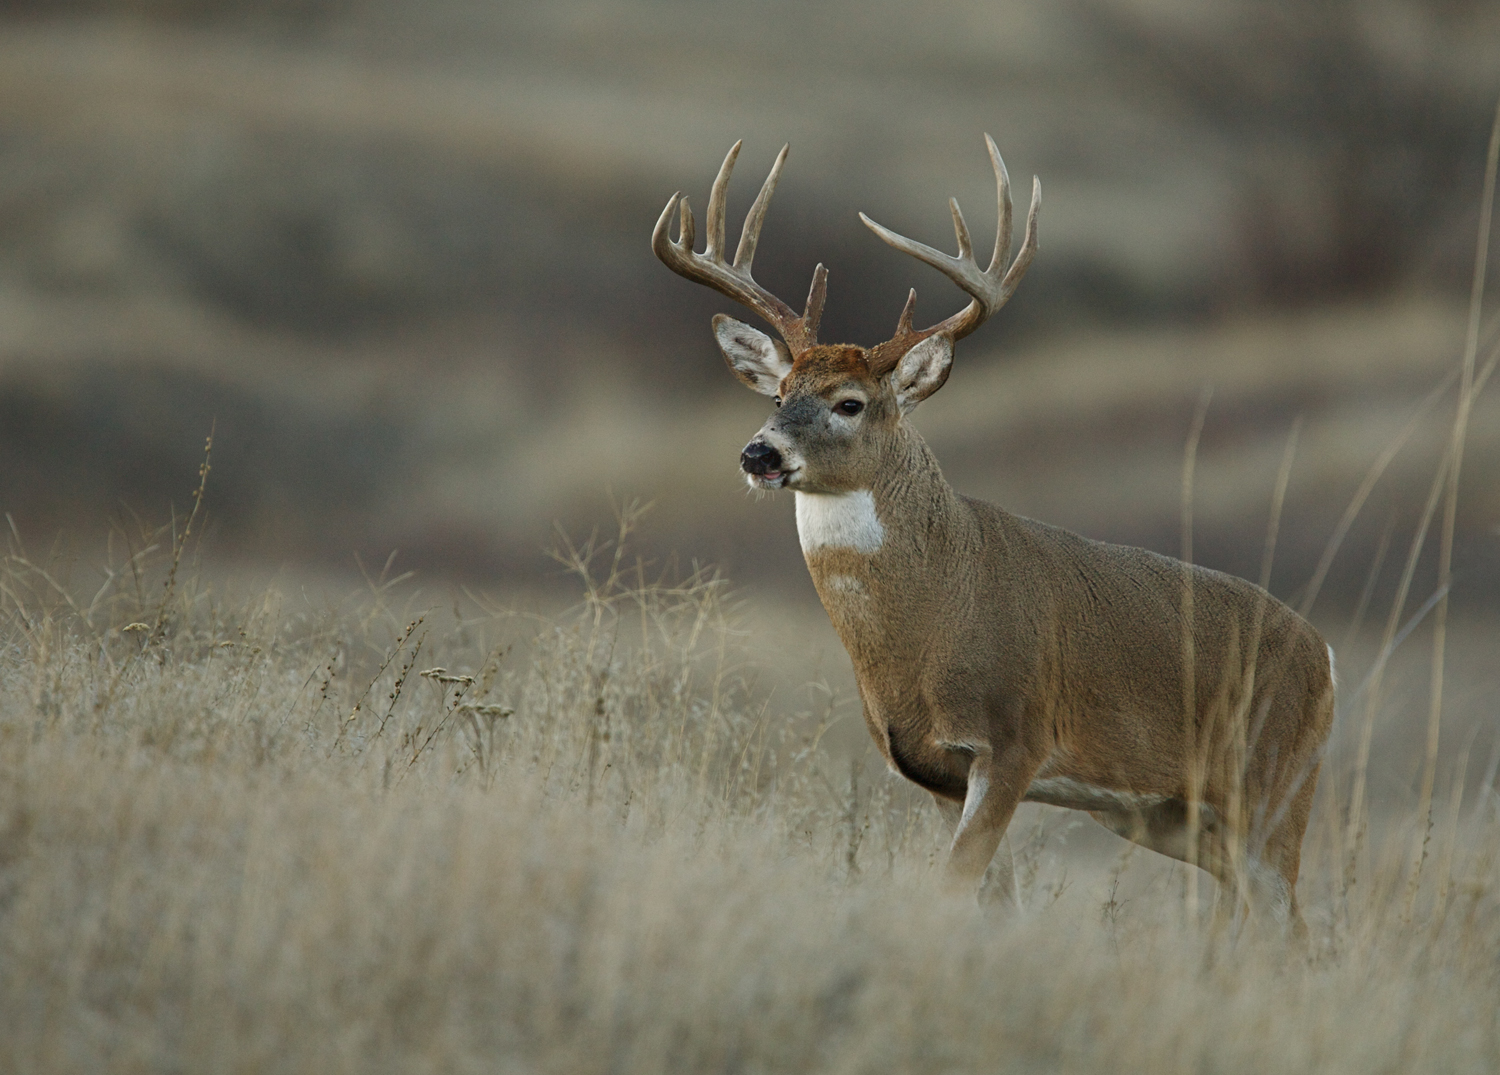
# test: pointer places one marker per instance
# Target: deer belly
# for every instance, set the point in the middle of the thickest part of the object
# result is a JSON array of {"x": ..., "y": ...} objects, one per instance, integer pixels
[{"x": 1079, "y": 795}]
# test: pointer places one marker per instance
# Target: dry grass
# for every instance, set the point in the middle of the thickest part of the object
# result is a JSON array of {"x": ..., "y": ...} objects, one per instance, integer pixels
[{"x": 394, "y": 833}]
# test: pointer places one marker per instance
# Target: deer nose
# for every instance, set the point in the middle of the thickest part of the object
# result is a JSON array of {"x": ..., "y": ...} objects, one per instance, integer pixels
[{"x": 759, "y": 458}]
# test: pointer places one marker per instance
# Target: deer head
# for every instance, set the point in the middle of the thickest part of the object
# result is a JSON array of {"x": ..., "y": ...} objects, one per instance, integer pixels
[{"x": 839, "y": 405}]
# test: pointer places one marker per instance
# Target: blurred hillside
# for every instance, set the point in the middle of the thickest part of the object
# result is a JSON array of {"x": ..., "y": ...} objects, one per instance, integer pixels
[{"x": 396, "y": 252}]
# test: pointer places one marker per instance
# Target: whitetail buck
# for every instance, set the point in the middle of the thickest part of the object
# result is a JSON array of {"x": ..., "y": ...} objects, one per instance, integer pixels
[{"x": 1003, "y": 660}]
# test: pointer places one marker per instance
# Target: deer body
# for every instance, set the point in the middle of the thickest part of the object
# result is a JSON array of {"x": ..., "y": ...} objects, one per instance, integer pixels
[{"x": 1000, "y": 659}]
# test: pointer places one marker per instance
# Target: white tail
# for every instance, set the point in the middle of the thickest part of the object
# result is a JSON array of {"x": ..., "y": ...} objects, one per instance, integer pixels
[{"x": 1001, "y": 659}]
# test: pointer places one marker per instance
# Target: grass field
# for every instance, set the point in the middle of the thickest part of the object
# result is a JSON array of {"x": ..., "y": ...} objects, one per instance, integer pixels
[{"x": 408, "y": 832}]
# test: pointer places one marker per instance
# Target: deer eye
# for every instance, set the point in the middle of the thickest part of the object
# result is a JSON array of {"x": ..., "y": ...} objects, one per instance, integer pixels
[
  {"x": 851, "y": 406},
  {"x": 778, "y": 401}
]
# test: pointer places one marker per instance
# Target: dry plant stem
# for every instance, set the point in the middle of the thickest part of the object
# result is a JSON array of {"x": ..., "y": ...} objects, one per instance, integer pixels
[
  {"x": 1376, "y": 563},
  {"x": 1377, "y": 673},
  {"x": 1189, "y": 699},
  {"x": 1450, "y": 506},
  {"x": 448, "y": 712},
  {"x": 1412, "y": 623},
  {"x": 380, "y": 586},
  {"x": 1278, "y": 501},
  {"x": 390, "y": 656},
  {"x": 47, "y": 577},
  {"x": 394, "y": 652},
  {"x": 1367, "y": 486},
  {"x": 159, "y": 631},
  {"x": 399, "y": 686},
  {"x": 1450, "y": 844}
]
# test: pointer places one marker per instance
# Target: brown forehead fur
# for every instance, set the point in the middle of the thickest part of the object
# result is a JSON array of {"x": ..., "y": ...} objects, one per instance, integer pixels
[
  {"x": 830, "y": 361},
  {"x": 841, "y": 361}
]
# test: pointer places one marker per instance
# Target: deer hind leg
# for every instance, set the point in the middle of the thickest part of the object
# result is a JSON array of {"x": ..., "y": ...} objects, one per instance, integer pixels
[
  {"x": 1255, "y": 875},
  {"x": 1274, "y": 864}
]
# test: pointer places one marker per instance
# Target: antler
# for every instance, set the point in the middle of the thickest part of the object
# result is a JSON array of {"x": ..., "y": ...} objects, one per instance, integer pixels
[
  {"x": 989, "y": 289},
  {"x": 709, "y": 267}
]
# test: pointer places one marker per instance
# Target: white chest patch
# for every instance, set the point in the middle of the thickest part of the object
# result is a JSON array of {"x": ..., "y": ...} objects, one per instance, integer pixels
[{"x": 839, "y": 521}]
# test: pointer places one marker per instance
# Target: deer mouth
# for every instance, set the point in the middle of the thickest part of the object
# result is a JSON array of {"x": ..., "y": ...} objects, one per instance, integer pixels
[{"x": 772, "y": 479}]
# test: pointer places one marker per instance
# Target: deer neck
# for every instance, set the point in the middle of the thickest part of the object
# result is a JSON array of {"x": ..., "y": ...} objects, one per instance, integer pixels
[{"x": 879, "y": 556}]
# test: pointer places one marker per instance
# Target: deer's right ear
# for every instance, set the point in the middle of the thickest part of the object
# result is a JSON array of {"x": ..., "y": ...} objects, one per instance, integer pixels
[{"x": 755, "y": 358}]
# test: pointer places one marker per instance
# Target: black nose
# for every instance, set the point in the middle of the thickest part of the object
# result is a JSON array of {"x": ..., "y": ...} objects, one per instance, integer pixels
[{"x": 759, "y": 458}]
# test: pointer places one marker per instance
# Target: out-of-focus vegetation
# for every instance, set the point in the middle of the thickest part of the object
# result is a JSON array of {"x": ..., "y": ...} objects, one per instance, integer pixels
[{"x": 397, "y": 252}]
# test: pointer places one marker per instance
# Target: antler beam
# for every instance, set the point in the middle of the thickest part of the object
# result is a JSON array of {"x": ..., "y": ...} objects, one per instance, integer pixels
[{"x": 711, "y": 268}]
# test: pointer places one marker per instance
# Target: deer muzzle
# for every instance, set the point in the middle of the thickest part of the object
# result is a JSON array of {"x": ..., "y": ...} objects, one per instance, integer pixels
[{"x": 760, "y": 459}]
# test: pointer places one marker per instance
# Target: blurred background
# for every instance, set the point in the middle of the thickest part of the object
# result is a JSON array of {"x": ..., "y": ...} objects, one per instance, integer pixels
[{"x": 396, "y": 254}]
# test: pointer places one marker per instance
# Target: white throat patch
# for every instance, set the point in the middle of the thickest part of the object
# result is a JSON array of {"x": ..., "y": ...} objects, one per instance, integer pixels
[{"x": 839, "y": 521}]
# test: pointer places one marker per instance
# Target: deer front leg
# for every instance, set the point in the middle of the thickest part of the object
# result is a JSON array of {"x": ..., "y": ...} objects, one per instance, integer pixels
[
  {"x": 999, "y": 885},
  {"x": 996, "y": 783}
]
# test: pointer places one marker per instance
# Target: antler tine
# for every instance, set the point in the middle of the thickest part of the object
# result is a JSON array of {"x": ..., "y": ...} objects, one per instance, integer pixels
[
  {"x": 989, "y": 289},
  {"x": 710, "y": 267},
  {"x": 662, "y": 232},
  {"x": 717, "y": 197},
  {"x": 1028, "y": 245},
  {"x": 812, "y": 313},
  {"x": 687, "y": 231},
  {"x": 744, "y": 254},
  {"x": 961, "y": 229},
  {"x": 1002, "y": 195},
  {"x": 674, "y": 253},
  {"x": 903, "y": 326}
]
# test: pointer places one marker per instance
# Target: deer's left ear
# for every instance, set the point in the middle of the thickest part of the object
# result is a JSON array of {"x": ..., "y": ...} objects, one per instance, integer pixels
[{"x": 922, "y": 371}]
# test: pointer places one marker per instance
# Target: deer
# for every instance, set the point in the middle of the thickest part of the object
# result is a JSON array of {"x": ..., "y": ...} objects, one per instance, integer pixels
[{"x": 998, "y": 659}]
